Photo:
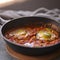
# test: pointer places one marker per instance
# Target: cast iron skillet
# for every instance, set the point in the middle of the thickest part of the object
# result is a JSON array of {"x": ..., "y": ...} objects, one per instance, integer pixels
[{"x": 31, "y": 21}]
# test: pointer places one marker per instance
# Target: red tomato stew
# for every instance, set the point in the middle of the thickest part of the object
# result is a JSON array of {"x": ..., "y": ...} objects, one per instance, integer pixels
[{"x": 33, "y": 37}]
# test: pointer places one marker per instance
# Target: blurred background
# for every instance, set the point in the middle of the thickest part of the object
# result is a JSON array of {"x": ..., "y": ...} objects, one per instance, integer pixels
[{"x": 28, "y": 4}]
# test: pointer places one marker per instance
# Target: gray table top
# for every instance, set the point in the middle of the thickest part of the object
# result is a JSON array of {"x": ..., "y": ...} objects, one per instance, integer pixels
[{"x": 3, "y": 53}]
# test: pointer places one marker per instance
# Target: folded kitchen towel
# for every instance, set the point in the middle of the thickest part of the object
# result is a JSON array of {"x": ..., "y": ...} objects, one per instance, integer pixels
[{"x": 10, "y": 14}]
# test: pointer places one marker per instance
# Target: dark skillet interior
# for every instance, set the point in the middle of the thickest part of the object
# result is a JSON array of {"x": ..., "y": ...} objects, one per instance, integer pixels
[{"x": 31, "y": 21}]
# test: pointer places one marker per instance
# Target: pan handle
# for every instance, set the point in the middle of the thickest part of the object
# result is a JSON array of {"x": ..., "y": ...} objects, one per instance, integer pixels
[{"x": 2, "y": 21}]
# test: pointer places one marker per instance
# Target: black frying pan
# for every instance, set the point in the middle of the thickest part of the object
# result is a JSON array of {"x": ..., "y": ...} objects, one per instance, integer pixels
[{"x": 31, "y": 21}]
